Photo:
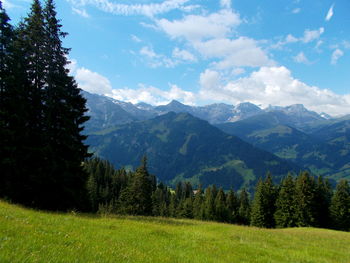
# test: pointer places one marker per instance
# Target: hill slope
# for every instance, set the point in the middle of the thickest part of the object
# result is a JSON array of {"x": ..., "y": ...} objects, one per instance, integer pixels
[
  {"x": 182, "y": 147},
  {"x": 325, "y": 152},
  {"x": 30, "y": 236}
]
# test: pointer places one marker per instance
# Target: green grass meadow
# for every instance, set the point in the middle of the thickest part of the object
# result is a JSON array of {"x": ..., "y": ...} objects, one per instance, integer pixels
[{"x": 33, "y": 236}]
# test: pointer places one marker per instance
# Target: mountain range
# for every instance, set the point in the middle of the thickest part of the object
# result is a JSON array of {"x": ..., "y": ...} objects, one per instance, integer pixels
[
  {"x": 122, "y": 132},
  {"x": 182, "y": 147}
]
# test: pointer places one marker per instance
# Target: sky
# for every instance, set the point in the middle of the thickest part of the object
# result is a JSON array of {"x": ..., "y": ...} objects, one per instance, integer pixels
[{"x": 209, "y": 51}]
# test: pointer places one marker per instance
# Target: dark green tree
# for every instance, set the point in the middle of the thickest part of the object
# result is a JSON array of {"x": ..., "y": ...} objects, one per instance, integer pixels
[
  {"x": 263, "y": 207},
  {"x": 305, "y": 194},
  {"x": 340, "y": 206},
  {"x": 173, "y": 205},
  {"x": 198, "y": 212},
  {"x": 232, "y": 206},
  {"x": 286, "y": 203},
  {"x": 136, "y": 199},
  {"x": 244, "y": 209},
  {"x": 185, "y": 209},
  {"x": 160, "y": 201},
  {"x": 209, "y": 204},
  {"x": 323, "y": 200},
  {"x": 6, "y": 50},
  {"x": 64, "y": 116},
  {"x": 25, "y": 111},
  {"x": 221, "y": 214}
]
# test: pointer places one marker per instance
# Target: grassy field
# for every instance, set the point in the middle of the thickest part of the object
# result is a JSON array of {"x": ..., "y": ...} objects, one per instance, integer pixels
[{"x": 32, "y": 236}]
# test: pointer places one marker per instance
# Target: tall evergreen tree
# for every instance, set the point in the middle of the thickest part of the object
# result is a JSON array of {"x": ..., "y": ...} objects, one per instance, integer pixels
[
  {"x": 263, "y": 207},
  {"x": 221, "y": 214},
  {"x": 25, "y": 110},
  {"x": 136, "y": 199},
  {"x": 323, "y": 200},
  {"x": 305, "y": 200},
  {"x": 232, "y": 206},
  {"x": 209, "y": 204},
  {"x": 6, "y": 44},
  {"x": 198, "y": 212},
  {"x": 244, "y": 209},
  {"x": 286, "y": 204},
  {"x": 340, "y": 206},
  {"x": 64, "y": 115},
  {"x": 160, "y": 201},
  {"x": 185, "y": 209}
]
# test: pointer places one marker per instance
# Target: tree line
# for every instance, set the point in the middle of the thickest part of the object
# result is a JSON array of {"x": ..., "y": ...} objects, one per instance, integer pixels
[
  {"x": 41, "y": 114},
  {"x": 304, "y": 201}
]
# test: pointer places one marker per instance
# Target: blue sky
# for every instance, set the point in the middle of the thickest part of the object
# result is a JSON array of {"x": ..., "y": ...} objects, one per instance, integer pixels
[{"x": 200, "y": 52}]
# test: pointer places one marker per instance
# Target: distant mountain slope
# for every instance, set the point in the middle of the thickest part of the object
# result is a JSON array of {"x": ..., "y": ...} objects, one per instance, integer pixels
[
  {"x": 337, "y": 137},
  {"x": 182, "y": 147},
  {"x": 324, "y": 153},
  {"x": 104, "y": 113}
]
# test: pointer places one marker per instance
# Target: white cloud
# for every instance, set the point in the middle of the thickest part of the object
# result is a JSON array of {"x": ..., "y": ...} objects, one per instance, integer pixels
[
  {"x": 81, "y": 12},
  {"x": 72, "y": 66},
  {"x": 239, "y": 52},
  {"x": 225, "y": 3},
  {"x": 338, "y": 53},
  {"x": 346, "y": 44},
  {"x": 154, "y": 96},
  {"x": 238, "y": 71},
  {"x": 330, "y": 13},
  {"x": 210, "y": 80},
  {"x": 308, "y": 36},
  {"x": 135, "y": 39},
  {"x": 311, "y": 35},
  {"x": 199, "y": 27},
  {"x": 296, "y": 10},
  {"x": 155, "y": 60},
  {"x": 318, "y": 45},
  {"x": 148, "y": 52},
  {"x": 92, "y": 81},
  {"x": 301, "y": 58},
  {"x": 150, "y": 10},
  {"x": 183, "y": 55},
  {"x": 291, "y": 39},
  {"x": 272, "y": 86},
  {"x": 8, "y": 5}
]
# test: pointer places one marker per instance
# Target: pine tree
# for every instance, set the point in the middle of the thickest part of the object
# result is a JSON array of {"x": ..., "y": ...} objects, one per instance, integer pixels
[
  {"x": 159, "y": 201},
  {"x": 305, "y": 200},
  {"x": 179, "y": 191},
  {"x": 173, "y": 205},
  {"x": 198, "y": 212},
  {"x": 25, "y": 107},
  {"x": 244, "y": 209},
  {"x": 6, "y": 44},
  {"x": 221, "y": 214},
  {"x": 136, "y": 199},
  {"x": 209, "y": 204},
  {"x": 340, "y": 206},
  {"x": 323, "y": 201},
  {"x": 232, "y": 206},
  {"x": 185, "y": 209},
  {"x": 286, "y": 204},
  {"x": 263, "y": 207},
  {"x": 64, "y": 115},
  {"x": 258, "y": 217}
]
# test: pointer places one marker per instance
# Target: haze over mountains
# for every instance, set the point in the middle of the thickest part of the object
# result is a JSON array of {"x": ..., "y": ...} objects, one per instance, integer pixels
[{"x": 183, "y": 146}]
